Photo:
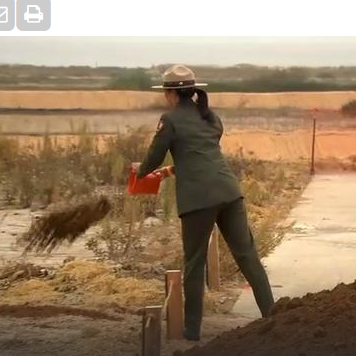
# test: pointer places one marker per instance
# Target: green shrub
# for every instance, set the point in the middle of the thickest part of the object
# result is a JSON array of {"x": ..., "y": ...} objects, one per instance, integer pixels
[
  {"x": 119, "y": 238},
  {"x": 131, "y": 79}
]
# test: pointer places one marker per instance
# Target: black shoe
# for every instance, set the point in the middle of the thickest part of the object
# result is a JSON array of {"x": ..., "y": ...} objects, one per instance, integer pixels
[{"x": 191, "y": 336}]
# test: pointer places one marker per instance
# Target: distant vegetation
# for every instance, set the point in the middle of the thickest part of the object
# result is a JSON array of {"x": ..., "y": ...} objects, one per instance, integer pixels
[
  {"x": 349, "y": 109},
  {"x": 239, "y": 78},
  {"x": 131, "y": 79}
]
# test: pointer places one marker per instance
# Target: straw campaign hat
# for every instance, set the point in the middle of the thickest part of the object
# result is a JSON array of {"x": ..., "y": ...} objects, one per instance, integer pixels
[{"x": 179, "y": 76}]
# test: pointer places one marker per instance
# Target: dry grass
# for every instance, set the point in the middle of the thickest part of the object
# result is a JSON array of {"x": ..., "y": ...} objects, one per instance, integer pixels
[
  {"x": 47, "y": 172},
  {"x": 131, "y": 100},
  {"x": 126, "y": 292},
  {"x": 89, "y": 283},
  {"x": 301, "y": 100},
  {"x": 101, "y": 287},
  {"x": 96, "y": 100},
  {"x": 33, "y": 291},
  {"x": 80, "y": 273}
]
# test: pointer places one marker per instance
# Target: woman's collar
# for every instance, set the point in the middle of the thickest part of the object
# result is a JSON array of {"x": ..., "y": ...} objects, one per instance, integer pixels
[{"x": 186, "y": 102}]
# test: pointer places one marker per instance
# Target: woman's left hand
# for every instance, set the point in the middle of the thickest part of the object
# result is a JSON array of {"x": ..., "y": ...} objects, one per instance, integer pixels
[{"x": 135, "y": 166}]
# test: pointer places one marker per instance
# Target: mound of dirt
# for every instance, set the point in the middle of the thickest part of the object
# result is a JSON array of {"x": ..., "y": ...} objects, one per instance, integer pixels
[{"x": 318, "y": 324}]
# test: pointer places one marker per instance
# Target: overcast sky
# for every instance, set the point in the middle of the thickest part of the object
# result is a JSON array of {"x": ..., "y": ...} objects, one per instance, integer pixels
[{"x": 146, "y": 51}]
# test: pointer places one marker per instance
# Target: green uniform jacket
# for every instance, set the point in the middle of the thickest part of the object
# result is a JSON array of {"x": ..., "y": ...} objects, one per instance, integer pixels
[{"x": 203, "y": 177}]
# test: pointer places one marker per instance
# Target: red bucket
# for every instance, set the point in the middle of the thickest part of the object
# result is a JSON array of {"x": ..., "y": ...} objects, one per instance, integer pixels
[{"x": 147, "y": 185}]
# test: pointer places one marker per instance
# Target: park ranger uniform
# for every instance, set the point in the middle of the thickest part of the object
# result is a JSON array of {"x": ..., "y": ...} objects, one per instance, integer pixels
[{"x": 207, "y": 193}]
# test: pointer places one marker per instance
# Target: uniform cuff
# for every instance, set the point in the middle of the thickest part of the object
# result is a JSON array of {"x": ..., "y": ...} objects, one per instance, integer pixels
[{"x": 170, "y": 170}]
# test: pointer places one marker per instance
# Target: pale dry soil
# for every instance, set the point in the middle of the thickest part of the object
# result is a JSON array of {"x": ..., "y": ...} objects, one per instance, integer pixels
[{"x": 80, "y": 336}]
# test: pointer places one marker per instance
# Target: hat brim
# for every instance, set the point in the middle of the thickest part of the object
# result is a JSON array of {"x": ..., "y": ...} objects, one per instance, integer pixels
[{"x": 180, "y": 87}]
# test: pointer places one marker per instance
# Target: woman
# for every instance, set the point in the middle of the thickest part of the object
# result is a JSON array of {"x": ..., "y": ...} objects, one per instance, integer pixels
[{"x": 207, "y": 192}]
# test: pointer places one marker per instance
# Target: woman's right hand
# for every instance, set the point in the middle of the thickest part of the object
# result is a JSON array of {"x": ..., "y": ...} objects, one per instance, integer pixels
[{"x": 164, "y": 172}]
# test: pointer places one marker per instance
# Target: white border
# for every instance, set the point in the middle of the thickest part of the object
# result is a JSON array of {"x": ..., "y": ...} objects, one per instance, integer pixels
[{"x": 199, "y": 18}]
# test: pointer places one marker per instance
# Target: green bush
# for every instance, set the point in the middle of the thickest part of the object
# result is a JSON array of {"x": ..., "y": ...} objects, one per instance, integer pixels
[
  {"x": 119, "y": 238},
  {"x": 131, "y": 79}
]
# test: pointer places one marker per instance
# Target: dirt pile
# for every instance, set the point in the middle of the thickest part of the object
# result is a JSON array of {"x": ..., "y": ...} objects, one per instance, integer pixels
[{"x": 318, "y": 324}]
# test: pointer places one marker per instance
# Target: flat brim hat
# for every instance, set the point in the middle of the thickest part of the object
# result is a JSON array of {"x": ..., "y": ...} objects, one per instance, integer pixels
[{"x": 179, "y": 77}]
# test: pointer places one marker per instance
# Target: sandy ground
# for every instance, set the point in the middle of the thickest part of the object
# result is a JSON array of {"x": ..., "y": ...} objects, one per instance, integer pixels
[{"x": 80, "y": 336}]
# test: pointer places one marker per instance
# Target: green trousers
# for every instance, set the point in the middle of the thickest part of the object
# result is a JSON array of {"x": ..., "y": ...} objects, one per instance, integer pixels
[{"x": 197, "y": 227}]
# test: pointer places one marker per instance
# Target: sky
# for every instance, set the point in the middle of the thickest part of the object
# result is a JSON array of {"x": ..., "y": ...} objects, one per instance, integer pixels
[{"x": 147, "y": 51}]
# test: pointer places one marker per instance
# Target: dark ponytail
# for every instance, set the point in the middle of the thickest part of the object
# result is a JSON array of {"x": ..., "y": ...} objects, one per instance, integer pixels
[
  {"x": 202, "y": 102},
  {"x": 203, "y": 105}
]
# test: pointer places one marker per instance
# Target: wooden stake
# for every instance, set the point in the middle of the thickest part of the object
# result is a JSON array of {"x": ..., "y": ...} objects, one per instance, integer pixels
[
  {"x": 174, "y": 303},
  {"x": 312, "y": 164},
  {"x": 314, "y": 113},
  {"x": 213, "y": 264},
  {"x": 151, "y": 331}
]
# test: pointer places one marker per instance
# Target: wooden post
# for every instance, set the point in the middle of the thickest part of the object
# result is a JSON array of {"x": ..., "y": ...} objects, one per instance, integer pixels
[
  {"x": 312, "y": 164},
  {"x": 151, "y": 331},
  {"x": 213, "y": 264},
  {"x": 174, "y": 304}
]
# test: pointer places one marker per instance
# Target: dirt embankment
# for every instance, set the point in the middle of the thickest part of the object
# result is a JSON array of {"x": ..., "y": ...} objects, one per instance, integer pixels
[
  {"x": 317, "y": 324},
  {"x": 131, "y": 100}
]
